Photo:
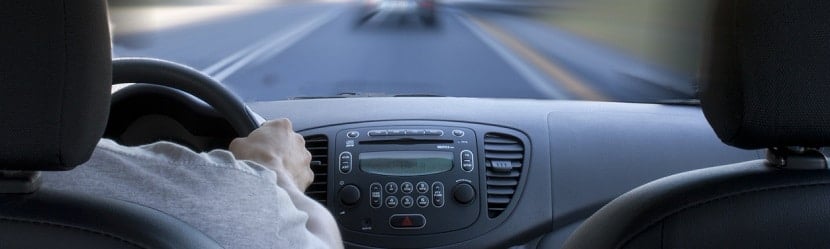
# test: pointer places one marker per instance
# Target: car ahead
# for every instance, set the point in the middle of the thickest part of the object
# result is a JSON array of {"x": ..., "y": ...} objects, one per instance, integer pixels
[{"x": 421, "y": 9}]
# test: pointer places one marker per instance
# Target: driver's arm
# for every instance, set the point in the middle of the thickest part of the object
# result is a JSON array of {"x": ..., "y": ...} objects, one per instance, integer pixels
[{"x": 275, "y": 145}]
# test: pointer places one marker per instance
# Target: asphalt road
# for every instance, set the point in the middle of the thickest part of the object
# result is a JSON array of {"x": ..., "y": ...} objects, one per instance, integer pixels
[{"x": 303, "y": 50}]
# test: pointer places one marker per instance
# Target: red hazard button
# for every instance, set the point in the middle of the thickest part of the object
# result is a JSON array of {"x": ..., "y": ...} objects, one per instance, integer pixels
[{"x": 407, "y": 221}]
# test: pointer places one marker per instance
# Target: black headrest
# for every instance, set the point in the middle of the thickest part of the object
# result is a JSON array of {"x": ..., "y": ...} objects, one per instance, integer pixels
[
  {"x": 55, "y": 74},
  {"x": 766, "y": 75}
]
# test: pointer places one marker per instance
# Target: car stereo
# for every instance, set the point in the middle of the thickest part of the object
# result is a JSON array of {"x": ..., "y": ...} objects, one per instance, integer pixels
[{"x": 405, "y": 179}]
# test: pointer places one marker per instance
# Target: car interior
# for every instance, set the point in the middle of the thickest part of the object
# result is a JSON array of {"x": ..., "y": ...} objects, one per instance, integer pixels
[{"x": 743, "y": 169}]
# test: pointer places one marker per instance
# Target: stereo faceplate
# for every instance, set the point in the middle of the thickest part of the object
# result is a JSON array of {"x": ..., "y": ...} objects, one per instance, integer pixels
[{"x": 409, "y": 185}]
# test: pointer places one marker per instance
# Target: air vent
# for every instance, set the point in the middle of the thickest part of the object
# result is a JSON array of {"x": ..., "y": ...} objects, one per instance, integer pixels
[
  {"x": 318, "y": 146},
  {"x": 503, "y": 157}
]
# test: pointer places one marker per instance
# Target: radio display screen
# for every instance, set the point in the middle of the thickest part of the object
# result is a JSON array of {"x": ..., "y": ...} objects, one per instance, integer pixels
[{"x": 406, "y": 163}]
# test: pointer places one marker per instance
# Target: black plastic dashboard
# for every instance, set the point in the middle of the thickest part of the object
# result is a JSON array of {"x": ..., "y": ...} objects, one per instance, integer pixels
[{"x": 577, "y": 156}]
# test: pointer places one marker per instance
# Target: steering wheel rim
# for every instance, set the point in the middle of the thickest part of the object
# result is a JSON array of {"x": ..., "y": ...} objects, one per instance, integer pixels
[{"x": 184, "y": 78}]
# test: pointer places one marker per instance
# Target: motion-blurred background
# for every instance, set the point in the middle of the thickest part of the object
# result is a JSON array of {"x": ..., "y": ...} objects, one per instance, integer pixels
[{"x": 632, "y": 50}]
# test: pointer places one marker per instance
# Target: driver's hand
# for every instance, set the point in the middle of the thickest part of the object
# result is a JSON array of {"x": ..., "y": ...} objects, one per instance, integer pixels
[{"x": 275, "y": 145}]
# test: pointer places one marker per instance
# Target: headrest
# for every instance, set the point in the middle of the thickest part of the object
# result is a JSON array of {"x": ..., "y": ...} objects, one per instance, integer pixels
[
  {"x": 766, "y": 73},
  {"x": 55, "y": 74}
]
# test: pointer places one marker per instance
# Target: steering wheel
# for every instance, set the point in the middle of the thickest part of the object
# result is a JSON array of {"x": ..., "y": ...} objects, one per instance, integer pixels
[{"x": 180, "y": 87}]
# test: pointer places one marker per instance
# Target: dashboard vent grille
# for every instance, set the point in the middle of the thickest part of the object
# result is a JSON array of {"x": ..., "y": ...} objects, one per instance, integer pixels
[
  {"x": 503, "y": 157},
  {"x": 318, "y": 146}
]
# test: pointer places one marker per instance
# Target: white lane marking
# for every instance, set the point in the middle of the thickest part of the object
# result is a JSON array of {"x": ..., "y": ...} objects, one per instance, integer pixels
[
  {"x": 297, "y": 35},
  {"x": 235, "y": 56},
  {"x": 268, "y": 48},
  {"x": 526, "y": 71}
]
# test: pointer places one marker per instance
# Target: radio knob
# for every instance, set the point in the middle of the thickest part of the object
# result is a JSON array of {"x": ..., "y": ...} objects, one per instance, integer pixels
[
  {"x": 349, "y": 195},
  {"x": 464, "y": 193}
]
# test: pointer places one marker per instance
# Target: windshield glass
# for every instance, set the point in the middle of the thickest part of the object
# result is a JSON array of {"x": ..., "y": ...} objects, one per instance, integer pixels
[{"x": 606, "y": 50}]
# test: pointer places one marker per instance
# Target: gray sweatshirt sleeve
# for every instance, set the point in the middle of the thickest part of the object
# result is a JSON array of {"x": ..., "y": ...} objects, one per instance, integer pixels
[{"x": 237, "y": 203}]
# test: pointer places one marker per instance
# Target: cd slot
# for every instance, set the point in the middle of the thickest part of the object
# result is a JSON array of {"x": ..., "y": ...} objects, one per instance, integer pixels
[{"x": 408, "y": 141}]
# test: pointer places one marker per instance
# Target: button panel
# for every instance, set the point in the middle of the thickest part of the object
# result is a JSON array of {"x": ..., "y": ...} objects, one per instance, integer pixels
[
  {"x": 345, "y": 162},
  {"x": 409, "y": 196},
  {"x": 438, "y": 194},
  {"x": 418, "y": 196},
  {"x": 467, "y": 160},
  {"x": 406, "y": 132},
  {"x": 375, "y": 195}
]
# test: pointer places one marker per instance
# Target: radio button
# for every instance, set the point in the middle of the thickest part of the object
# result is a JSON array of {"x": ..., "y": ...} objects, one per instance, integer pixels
[
  {"x": 391, "y": 202},
  {"x": 407, "y": 221},
  {"x": 438, "y": 194},
  {"x": 406, "y": 187},
  {"x": 458, "y": 133},
  {"x": 353, "y": 134},
  {"x": 423, "y": 201},
  {"x": 467, "y": 165},
  {"x": 396, "y": 132},
  {"x": 422, "y": 187},
  {"x": 466, "y": 155},
  {"x": 345, "y": 162},
  {"x": 345, "y": 167},
  {"x": 349, "y": 195},
  {"x": 391, "y": 187},
  {"x": 375, "y": 195},
  {"x": 407, "y": 201},
  {"x": 377, "y": 133},
  {"x": 416, "y": 132},
  {"x": 435, "y": 133},
  {"x": 467, "y": 160},
  {"x": 375, "y": 202},
  {"x": 464, "y": 193}
]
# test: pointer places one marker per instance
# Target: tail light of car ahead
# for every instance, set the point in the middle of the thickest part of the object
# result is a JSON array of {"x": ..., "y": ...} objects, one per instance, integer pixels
[{"x": 427, "y": 4}]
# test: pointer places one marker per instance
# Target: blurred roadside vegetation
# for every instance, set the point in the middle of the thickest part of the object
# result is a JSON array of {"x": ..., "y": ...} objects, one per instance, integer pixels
[
  {"x": 663, "y": 32},
  {"x": 128, "y": 17}
]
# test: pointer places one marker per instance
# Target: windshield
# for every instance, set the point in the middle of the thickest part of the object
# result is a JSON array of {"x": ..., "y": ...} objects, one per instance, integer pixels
[{"x": 605, "y": 50}]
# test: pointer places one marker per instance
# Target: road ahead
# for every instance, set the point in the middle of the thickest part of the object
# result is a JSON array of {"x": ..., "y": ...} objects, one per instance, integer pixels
[{"x": 318, "y": 50}]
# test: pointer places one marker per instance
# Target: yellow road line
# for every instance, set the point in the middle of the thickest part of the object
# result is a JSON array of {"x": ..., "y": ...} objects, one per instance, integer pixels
[{"x": 562, "y": 76}]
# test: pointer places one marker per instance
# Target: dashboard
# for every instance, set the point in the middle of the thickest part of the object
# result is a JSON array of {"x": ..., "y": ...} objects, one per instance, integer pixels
[
  {"x": 441, "y": 172},
  {"x": 426, "y": 172}
]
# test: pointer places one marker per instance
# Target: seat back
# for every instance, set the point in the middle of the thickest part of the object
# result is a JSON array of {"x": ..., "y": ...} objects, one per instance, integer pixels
[
  {"x": 55, "y": 219},
  {"x": 55, "y": 77},
  {"x": 765, "y": 85}
]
